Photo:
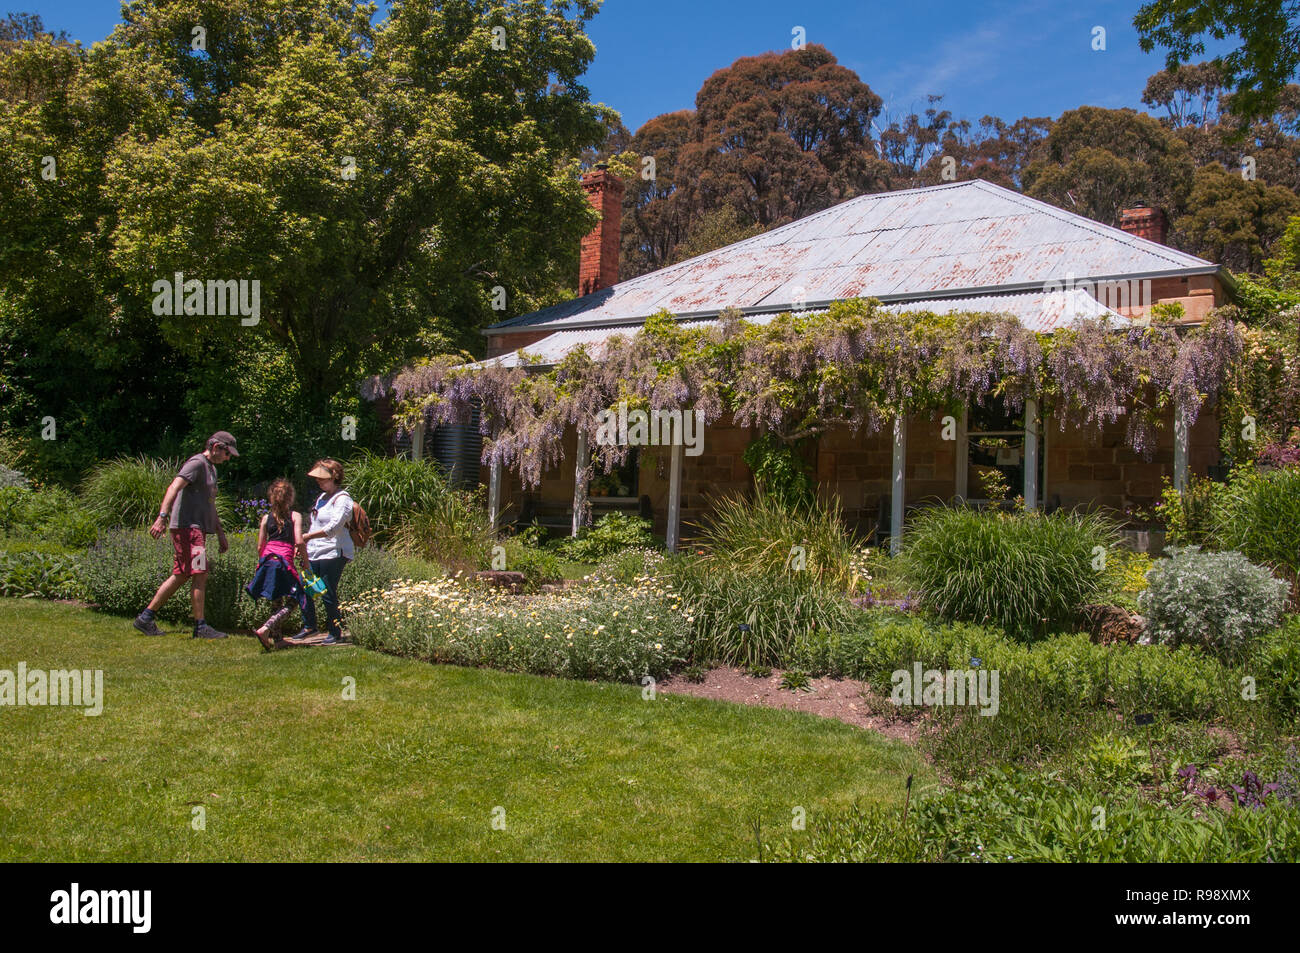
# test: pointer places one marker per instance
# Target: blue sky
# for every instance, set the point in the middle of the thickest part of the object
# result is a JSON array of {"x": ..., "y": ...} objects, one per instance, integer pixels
[{"x": 1008, "y": 58}]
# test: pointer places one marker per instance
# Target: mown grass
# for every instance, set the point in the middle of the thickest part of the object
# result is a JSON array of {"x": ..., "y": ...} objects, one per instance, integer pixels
[{"x": 411, "y": 770}]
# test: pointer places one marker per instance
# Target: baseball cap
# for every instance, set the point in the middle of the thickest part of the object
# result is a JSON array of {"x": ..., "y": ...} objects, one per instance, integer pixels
[{"x": 226, "y": 440}]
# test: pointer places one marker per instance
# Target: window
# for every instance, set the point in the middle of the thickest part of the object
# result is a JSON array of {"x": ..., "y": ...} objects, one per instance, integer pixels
[
  {"x": 621, "y": 481},
  {"x": 995, "y": 447}
]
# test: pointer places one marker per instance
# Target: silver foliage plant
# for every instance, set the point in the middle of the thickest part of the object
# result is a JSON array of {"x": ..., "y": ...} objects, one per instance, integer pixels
[
  {"x": 856, "y": 366},
  {"x": 1218, "y": 601}
]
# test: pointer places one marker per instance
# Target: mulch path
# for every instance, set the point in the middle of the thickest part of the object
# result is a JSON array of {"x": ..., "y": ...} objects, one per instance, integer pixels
[{"x": 845, "y": 699}]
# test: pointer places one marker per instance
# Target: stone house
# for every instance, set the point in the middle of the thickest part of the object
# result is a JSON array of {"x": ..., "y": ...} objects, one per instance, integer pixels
[{"x": 963, "y": 246}]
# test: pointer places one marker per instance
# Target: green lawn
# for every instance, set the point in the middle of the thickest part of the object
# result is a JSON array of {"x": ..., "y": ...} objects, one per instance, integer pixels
[{"x": 411, "y": 770}]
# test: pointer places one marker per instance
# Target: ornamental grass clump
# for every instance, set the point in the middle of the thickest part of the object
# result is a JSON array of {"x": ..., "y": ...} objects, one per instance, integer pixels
[
  {"x": 601, "y": 631},
  {"x": 1220, "y": 602},
  {"x": 766, "y": 535},
  {"x": 1027, "y": 573},
  {"x": 743, "y": 617}
]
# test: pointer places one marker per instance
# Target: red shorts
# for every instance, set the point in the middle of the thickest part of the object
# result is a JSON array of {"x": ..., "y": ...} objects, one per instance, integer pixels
[{"x": 191, "y": 551}]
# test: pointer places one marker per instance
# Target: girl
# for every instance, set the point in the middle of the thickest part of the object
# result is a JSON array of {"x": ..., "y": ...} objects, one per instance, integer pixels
[
  {"x": 328, "y": 544},
  {"x": 278, "y": 537}
]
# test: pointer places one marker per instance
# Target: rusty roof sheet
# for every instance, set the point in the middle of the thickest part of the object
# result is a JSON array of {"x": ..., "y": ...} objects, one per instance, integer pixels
[
  {"x": 960, "y": 238},
  {"x": 1038, "y": 311}
]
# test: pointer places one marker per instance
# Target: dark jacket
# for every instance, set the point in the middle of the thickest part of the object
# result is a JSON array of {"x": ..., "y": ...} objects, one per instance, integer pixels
[{"x": 274, "y": 579}]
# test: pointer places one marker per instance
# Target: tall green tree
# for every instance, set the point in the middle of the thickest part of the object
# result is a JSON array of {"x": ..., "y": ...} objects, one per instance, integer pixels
[
  {"x": 1266, "y": 59},
  {"x": 375, "y": 180}
]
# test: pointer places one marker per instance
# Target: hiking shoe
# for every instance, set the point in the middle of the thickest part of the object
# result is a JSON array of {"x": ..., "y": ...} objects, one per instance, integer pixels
[
  {"x": 147, "y": 626},
  {"x": 206, "y": 631}
]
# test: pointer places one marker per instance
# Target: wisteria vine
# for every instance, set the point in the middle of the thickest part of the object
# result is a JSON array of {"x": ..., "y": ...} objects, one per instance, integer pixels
[{"x": 857, "y": 365}]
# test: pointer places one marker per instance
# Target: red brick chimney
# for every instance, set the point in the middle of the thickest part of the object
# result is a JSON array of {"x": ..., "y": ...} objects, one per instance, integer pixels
[
  {"x": 598, "y": 267},
  {"x": 1144, "y": 222}
]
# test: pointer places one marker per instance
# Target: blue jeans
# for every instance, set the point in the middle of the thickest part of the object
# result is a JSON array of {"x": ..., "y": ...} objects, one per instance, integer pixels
[{"x": 329, "y": 570}]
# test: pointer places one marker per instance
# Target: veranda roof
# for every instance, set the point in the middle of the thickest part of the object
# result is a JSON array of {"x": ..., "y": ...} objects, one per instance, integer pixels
[{"x": 1039, "y": 311}]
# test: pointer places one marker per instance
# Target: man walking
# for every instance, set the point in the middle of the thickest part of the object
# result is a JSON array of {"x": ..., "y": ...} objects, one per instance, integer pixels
[{"x": 189, "y": 510}]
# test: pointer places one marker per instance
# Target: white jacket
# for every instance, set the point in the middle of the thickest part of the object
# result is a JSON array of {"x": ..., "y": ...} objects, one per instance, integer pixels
[{"x": 332, "y": 517}]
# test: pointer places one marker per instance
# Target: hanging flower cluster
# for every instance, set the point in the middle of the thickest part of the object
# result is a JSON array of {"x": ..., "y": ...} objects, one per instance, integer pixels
[{"x": 856, "y": 366}]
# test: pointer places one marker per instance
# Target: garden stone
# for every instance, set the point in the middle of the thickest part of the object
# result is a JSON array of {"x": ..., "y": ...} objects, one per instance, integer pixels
[{"x": 503, "y": 579}]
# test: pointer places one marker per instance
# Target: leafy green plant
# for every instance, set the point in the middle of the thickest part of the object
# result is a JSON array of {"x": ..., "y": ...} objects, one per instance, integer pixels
[
  {"x": 1217, "y": 601},
  {"x": 1190, "y": 516},
  {"x": 1027, "y": 573},
  {"x": 39, "y": 575},
  {"x": 538, "y": 565},
  {"x": 1025, "y": 816},
  {"x": 612, "y": 533},
  {"x": 759, "y": 671},
  {"x": 1115, "y": 761},
  {"x": 49, "y": 514},
  {"x": 779, "y": 472},
  {"x": 796, "y": 680},
  {"x": 768, "y": 536},
  {"x": 1276, "y": 664}
]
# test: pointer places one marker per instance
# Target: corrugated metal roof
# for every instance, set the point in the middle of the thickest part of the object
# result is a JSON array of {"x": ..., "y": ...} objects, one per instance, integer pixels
[
  {"x": 1038, "y": 311},
  {"x": 956, "y": 238}
]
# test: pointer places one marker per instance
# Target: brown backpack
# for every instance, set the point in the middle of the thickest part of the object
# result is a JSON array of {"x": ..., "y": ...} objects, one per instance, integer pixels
[{"x": 359, "y": 527}]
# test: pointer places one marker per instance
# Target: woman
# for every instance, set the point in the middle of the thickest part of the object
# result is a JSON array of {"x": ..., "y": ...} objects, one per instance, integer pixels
[
  {"x": 328, "y": 544},
  {"x": 279, "y": 537}
]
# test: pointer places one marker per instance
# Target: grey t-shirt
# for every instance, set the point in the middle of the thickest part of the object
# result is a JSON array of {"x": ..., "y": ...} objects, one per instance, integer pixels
[{"x": 196, "y": 504}]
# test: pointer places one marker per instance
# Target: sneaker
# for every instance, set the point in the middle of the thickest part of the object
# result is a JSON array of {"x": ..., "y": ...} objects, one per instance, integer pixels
[
  {"x": 303, "y": 635},
  {"x": 206, "y": 631},
  {"x": 332, "y": 639},
  {"x": 147, "y": 626}
]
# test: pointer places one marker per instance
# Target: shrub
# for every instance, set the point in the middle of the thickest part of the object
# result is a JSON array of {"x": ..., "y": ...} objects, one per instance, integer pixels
[
  {"x": 611, "y": 632},
  {"x": 1218, "y": 601},
  {"x": 1064, "y": 672},
  {"x": 124, "y": 568},
  {"x": 1022, "y": 816},
  {"x": 1190, "y": 516},
  {"x": 39, "y": 575},
  {"x": 537, "y": 564},
  {"x": 1027, "y": 573},
  {"x": 745, "y": 618},
  {"x": 393, "y": 488},
  {"x": 613, "y": 532},
  {"x": 1277, "y": 666},
  {"x": 1259, "y": 514},
  {"x": 760, "y": 535},
  {"x": 50, "y": 514}
]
